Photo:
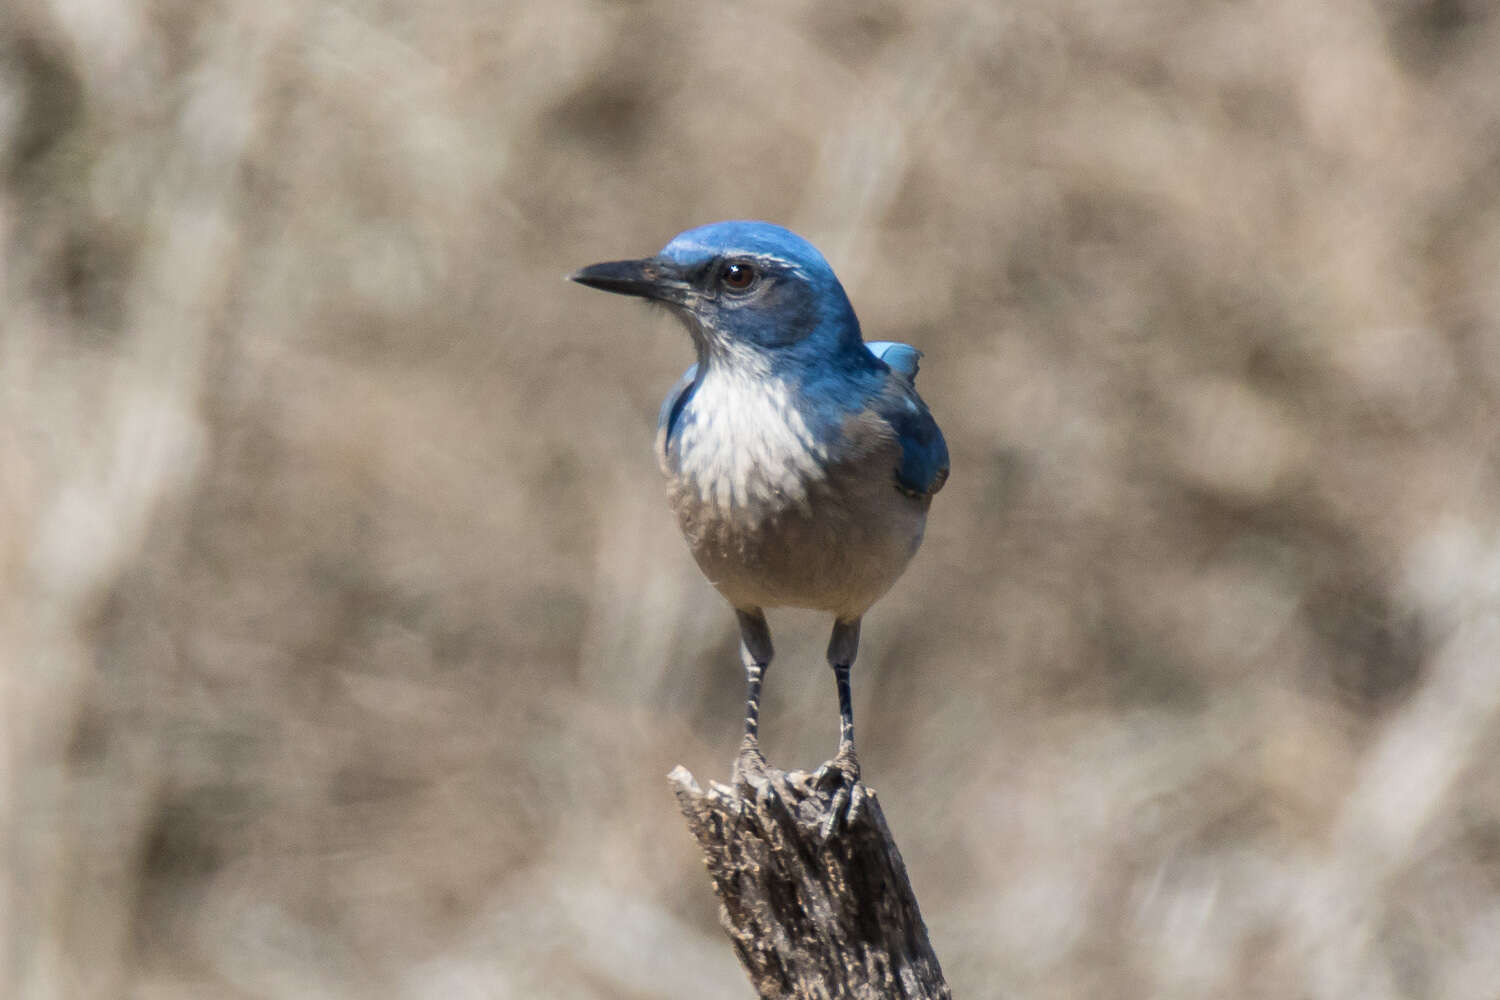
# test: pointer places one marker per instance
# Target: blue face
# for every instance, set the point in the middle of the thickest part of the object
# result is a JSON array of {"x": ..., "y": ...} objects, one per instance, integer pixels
[
  {"x": 753, "y": 283},
  {"x": 743, "y": 285}
]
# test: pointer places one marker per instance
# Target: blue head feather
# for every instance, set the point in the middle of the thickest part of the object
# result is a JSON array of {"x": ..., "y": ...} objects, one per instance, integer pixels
[
  {"x": 792, "y": 313},
  {"x": 761, "y": 301}
]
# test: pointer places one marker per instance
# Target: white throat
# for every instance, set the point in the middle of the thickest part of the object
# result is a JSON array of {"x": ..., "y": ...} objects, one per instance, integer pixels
[{"x": 746, "y": 448}]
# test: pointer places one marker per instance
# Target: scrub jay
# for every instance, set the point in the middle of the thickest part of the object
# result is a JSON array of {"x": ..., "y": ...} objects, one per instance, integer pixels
[{"x": 799, "y": 460}]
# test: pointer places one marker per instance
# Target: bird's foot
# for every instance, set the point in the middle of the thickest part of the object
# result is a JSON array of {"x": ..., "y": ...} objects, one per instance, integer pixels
[
  {"x": 841, "y": 772},
  {"x": 840, "y": 777},
  {"x": 750, "y": 763}
]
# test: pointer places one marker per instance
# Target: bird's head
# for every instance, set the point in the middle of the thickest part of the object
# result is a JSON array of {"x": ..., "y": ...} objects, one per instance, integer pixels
[{"x": 748, "y": 292}]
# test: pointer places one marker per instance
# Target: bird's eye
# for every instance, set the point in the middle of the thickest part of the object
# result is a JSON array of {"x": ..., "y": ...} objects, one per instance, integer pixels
[{"x": 737, "y": 276}]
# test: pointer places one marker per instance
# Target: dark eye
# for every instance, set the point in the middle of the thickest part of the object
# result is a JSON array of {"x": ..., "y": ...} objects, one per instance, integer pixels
[{"x": 737, "y": 276}]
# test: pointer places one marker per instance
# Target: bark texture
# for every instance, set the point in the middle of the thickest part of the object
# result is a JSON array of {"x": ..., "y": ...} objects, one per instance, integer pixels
[{"x": 813, "y": 891}]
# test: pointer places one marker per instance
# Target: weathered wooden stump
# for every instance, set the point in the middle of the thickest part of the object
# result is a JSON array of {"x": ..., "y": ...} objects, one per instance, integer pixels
[{"x": 813, "y": 891}]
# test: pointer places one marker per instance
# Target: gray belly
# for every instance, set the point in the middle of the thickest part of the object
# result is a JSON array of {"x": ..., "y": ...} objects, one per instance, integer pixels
[{"x": 838, "y": 549}]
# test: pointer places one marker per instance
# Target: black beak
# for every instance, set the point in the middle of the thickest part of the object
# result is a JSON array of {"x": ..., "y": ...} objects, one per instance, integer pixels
[{"x": 650, "y": 279}]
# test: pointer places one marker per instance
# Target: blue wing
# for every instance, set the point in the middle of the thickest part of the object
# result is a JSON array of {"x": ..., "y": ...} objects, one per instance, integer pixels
[
  {"x": 671, "y": 409},
  {"x": 902, "y": 358},
  {"x": 924, "y": 454}
]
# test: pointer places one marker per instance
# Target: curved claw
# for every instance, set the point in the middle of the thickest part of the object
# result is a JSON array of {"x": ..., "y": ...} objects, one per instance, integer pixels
[
  {"x": 840, "y": 773},
  {"x": 838, "y": 815}
]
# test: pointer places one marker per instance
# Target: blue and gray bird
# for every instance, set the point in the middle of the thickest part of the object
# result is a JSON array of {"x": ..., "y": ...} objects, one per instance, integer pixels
[{"x": 799, "y": 459}]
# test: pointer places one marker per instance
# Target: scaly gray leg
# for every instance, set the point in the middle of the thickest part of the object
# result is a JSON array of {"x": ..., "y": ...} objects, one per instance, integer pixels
[
  {"x": 755, "y": 653},
  {"x": 843, "y": 645}
]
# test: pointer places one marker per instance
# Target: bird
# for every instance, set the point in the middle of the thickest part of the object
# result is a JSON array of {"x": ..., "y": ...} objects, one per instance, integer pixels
[{"x": 799, "y": 459}]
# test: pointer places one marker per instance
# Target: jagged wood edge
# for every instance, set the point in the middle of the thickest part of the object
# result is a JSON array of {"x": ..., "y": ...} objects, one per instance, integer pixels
[{"x": 812, "y": 889}]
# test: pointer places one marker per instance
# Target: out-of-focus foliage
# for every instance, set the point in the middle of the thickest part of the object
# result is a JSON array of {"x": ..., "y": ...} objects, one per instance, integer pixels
[{"x": 346, "y": 636}]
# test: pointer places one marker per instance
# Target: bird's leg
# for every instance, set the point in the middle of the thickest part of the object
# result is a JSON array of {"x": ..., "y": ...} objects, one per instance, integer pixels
[
  {"x": 843, "y": 645},
  {"x": 755, "y": 653}
]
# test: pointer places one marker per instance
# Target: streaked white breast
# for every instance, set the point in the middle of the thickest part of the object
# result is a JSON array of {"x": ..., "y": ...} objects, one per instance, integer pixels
[{"x": 745, "y": 445}]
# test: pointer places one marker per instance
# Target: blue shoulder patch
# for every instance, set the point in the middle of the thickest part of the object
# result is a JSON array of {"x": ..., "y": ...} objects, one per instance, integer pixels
[
  {"x": 924, "y": 454},
  {"x": 671, "y": 408},
  {"x": 923, "y": 468},
  {"x": 901, "y": 358}
]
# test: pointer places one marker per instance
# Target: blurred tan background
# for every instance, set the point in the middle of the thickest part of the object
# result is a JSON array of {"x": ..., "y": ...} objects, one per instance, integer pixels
[{"x": 347, "y": 638}]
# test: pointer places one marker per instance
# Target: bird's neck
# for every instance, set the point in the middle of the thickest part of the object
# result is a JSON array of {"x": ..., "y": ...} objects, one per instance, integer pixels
[
  {"x": 730, "y": 358},
  {"x": 797, "y": 367},
  {"x": 749, "y": 443}
]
